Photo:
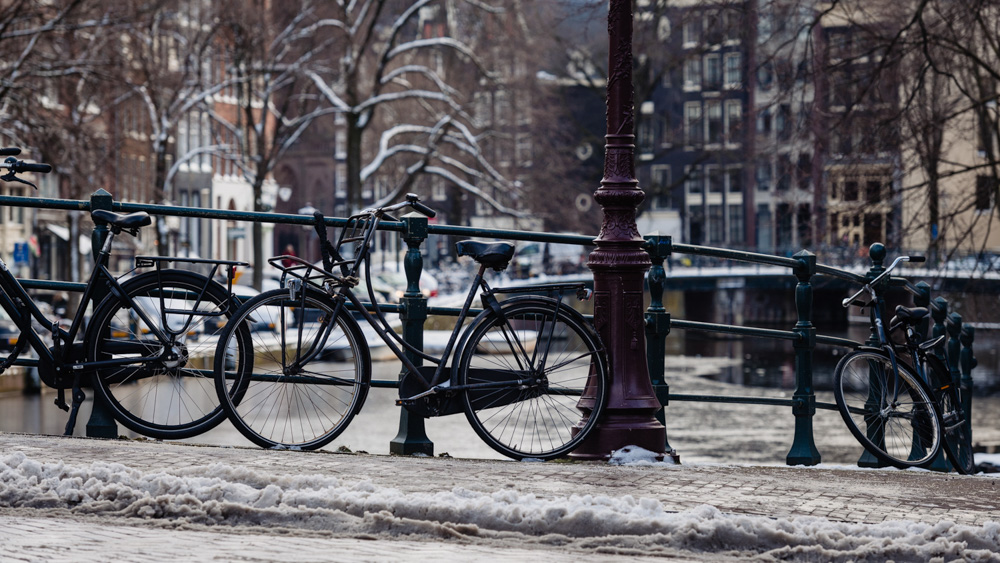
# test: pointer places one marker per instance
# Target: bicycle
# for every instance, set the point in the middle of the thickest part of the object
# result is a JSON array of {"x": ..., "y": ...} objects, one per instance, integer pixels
[
  {"x": 901, "y": 413},
  {"x": 529, "y": 372},
  {"x": 957, "y": 443},
  {"x": 146, "y": 350}
]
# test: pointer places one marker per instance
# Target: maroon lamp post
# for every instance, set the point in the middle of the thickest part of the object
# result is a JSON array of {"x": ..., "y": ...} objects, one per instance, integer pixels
[{"x": 619, "y": 264}]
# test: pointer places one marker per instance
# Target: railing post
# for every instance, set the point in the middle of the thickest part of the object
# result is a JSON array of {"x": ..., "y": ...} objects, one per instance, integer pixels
[
  {"x": 968, "y": 362},
  {"x": 101, "y": 423},
  {"x": 877, "y": 254},
  {"x": 657, "y": 328},
  {"x": 954, "y": 327},
  {"x": 939, "y": 312},
  {"x": 412, "y": 437},
  {"x": 803, "y": 451},
  {"x": 923, "y": 299}
]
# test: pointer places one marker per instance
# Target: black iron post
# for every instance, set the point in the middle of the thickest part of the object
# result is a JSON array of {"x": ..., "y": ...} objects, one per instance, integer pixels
[
  {"x": 923, "y": 299},
  {"x": 954, "y": 327},
  {"x": 803, "y": 451},
  {"x": 877, "y": 254},
  {"x": 101, "y": 423},
  {"x": 657, "y": 329},
  {"x": 939, "y": 312},
  {"x": 619, "y": 264},
  {"x": 412, "y": 437},
  {"x": 968, "y": 362}
]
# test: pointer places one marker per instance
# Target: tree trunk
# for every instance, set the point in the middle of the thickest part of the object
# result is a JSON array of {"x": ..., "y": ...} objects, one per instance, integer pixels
[{"x": 353, "y": 149}]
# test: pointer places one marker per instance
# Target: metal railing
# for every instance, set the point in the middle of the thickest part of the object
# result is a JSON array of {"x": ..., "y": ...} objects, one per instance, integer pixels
[{"x": 414, "y": 311}]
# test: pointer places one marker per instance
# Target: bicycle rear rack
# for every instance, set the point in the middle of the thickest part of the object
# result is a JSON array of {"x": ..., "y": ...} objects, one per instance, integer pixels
[{"x": 158, "y": 261}]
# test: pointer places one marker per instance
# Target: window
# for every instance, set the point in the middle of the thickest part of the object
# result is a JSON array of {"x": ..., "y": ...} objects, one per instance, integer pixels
[
  {"x": 715, "y": 180},
  {"x": 765, "y": 76},
  {"x": 732, "y": 25},
  {"x": 783, "y": 122},
  {"x": 716, "y": 233},
  {"x": 646, "y": 137},
  {"x": 660, "y": 186},
  {"x": 692, "y": 74},
  {"x": 784, "y": 173},
  {"x": 502, "y": 107},
  {"x": 735, "y": 177},
  {"x": 340, "y": 148},
  {"x": 692, "y": 32},
  {"x": 713, "y": 111},
  {"x": 693, "y": 181},
  {"x": 713, "y": 72},
  {"x": 692, "y": 124},
  {"x": 483, "y": 114},
  {"x": 438, "y": 191},
  {"x": 850, "y": 191},
  {"x": 734, "y": 74},
  {"x": 734, "y": 120},
  {"x": 873, "y": 191},
  {"x": 523, "y": 150},
  {"x": 764, "y": 176},
  {"x": 986, "y": 187},
  {"x": 736, "y": 233},
  {"x": 805, "y": 171},
  {"x": 764, "y": 122}
]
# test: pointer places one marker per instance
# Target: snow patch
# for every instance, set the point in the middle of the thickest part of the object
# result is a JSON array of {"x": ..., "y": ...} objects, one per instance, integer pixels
[
  {"x": 224, "y": 495},
  {"x": 634, "y": 455}
]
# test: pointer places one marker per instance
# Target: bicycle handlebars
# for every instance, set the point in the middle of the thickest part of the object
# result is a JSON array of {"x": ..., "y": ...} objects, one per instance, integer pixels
[
  {"x": 16, "y": 166},
  {"x": 414, "y": 202},
  {"x": 869, "y": 287}
]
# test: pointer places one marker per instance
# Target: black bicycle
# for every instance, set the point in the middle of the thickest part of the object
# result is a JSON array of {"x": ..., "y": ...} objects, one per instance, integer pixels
[
  {"x": 946, "y": 391},
  {"x": 529, "y": 372},
  {"x": 900, "y": 411},
  {"x": 147, "y": 350}
]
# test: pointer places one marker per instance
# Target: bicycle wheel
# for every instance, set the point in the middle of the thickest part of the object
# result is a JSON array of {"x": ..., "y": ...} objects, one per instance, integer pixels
[
  {"x": 957, "y": 440},
  {"x": 281, "y": 402},
  {"x": 541, "y": 382},
  {"x": 164, "y": 399},
  {"x": 894, "y": 417}
]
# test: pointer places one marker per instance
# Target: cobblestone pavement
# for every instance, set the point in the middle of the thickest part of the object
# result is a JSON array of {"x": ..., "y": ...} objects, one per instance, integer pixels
[{"x": 835, "y": 493}]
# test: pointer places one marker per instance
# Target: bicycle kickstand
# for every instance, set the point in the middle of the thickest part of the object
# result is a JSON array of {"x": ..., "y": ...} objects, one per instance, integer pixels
[{"x": 78, "y": 397}]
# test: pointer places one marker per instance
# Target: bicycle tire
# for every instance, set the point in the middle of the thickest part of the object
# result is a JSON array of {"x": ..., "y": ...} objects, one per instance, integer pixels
[
  {"x": 904, "y": 434},
  {"x": 567, "y": 381},
  {"x": 957, "y": 440},
  {"x": 163, "y": 400},
  {"x": 276, "y": 406}
]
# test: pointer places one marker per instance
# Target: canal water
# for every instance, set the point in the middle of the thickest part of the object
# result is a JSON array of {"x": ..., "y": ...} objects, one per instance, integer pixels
[{"x": 700, "y": 432}]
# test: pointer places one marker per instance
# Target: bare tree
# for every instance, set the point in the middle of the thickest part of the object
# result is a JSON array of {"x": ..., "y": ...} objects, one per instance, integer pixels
[
  {"x": 169, "y": 76},
  {"x": 268, "y": 51},
  {"x": 385, "y": 60}
]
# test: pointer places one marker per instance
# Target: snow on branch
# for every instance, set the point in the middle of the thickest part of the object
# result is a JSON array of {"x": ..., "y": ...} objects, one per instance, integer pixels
[{"x": 422, "y": 70}]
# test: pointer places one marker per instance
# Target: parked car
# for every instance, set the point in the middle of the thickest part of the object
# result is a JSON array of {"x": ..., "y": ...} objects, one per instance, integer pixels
[{"x": 9, "y": 332}]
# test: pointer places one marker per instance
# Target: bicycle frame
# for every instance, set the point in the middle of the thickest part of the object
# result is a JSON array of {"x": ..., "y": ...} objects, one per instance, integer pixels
[
  {"x": 343, "y": 294},
  {"x": 18, "y": 304}
]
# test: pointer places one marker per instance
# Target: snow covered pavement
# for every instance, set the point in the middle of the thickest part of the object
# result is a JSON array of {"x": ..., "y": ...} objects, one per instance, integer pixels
[{"x": 98, "y": 500}]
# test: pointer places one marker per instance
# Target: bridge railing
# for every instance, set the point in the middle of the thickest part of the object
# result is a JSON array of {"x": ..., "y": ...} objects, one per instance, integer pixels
[
  {"x": 803, "y": 335},
  {"x": 413, "y": 310}
]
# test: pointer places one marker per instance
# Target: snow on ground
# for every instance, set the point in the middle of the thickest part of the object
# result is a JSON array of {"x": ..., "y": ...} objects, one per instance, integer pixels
[{"x": 222, "y": 495}]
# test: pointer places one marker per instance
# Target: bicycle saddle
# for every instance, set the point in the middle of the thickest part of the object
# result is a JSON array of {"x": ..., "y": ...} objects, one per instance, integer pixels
[
  {"x": 494, "y": 255},
  {"x": 911, "y": 316},
  {"x": 122, "y": 220}
]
